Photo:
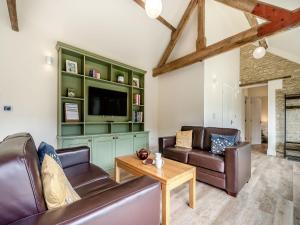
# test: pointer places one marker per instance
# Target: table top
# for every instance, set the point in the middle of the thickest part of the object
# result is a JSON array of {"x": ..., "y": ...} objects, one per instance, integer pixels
[{"x": 171, "y": 170}]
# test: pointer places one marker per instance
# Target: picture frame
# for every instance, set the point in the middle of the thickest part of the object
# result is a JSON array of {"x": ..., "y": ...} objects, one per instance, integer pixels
[
  {"x": 71, "y": 93},
  {"x": 71, "y": 112},
  {"x": 136, "y": 82},
  {"x": 71, "y": 67}
]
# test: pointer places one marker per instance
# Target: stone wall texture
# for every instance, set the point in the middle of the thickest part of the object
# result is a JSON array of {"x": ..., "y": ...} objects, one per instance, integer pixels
[
  {"x": 273, "y": 67},
  {"x": 269, "y": 67}
]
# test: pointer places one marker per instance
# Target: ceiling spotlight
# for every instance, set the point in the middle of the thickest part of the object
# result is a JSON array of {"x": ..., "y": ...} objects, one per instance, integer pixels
[
  {"x": 259, "y": 52},
  {"x": 153, "y": 8}
]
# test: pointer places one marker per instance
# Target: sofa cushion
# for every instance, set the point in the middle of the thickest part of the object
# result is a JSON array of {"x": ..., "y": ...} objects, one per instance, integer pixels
[
  {"x": 184, "y": 139},
  {"x": 198, "y": 133},
  {"x": 220, "y": 143},
  {"x": 95, "y": 187},
  {"x": 83, "y": 174},
  {"x": 221, "y": 131},
  {"x": 57, "y": 189},
  {"x": 206, "y": 160},
  {"x": 46, "y": 149},
  {"x": 177, "y": 153}
]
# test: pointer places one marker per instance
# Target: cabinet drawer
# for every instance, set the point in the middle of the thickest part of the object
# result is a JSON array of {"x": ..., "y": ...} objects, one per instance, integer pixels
[
  {"x": 103, "y": 152},
  {"x": 124, "y": 145},
  {"x": 69, "y": 143}
]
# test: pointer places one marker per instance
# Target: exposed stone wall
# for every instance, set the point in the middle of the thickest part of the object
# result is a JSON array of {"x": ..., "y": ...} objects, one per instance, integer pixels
[
  {"x": 290, "y": 86},
  {"x": 269, "y": 68}
]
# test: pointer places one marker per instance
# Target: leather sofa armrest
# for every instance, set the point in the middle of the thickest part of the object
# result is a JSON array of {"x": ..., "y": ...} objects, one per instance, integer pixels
[
  {"x": 74, "y": 156},
  {"x": 165, "y": 142},
  {"x": 237, "y": 167},
  {"x": 134, "y": 202}
]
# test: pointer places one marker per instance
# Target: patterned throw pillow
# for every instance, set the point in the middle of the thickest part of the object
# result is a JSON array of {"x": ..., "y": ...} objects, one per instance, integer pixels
[
  {"x": 44, "y": 149},
  {"x": 57, "y": 189},
  {"x": 220, "y": 142},
  {"x": 184, "y": 139}
]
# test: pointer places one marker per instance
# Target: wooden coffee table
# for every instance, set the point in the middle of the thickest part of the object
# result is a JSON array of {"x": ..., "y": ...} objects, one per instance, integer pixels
[{"x": 172, "y": 175}]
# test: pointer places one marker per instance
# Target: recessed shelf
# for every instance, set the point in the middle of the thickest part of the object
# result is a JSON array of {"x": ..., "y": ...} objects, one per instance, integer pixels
[
  {"x": 96, "y": 123},
  {"x": 138, "y": 88},
  {"x": 138, "y": 105},
  {"x": 71, "y": 98},
  {"x": 107, "y": 81},
  {"x": 121, "y": 122},
  {"x": 72, "y": 74},
  {"x": 72, "y": 123}
]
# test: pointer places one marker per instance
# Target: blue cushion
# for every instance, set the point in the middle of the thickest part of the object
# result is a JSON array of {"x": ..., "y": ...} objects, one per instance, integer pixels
[
  {"x": 44, "y": 149},
  {"x": 220, "y": 142}
]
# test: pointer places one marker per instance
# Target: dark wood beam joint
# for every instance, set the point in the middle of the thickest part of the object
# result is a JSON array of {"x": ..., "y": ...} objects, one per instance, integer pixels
[
  {"x": 176, "y": 35},
  {"x": 201, "y": 40},
  {"x": 12, "y": 10}
]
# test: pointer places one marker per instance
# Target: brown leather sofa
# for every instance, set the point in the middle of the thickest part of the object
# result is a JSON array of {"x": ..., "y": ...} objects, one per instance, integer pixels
[
  {"x": 103, "y": 201},
  {"x": 229, "y": 172}
]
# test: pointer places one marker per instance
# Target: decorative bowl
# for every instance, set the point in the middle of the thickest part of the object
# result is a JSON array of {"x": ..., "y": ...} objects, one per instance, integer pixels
[{"x": 143, "y": 154}]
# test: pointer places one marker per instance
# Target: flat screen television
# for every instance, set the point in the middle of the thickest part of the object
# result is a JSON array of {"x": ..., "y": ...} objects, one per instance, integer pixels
[{"x": 105, "y": 102}]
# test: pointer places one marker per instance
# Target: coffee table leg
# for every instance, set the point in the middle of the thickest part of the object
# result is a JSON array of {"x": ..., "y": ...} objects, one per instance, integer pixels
[
  {"x": 192, "y": 192},
  {"x": 117, "y": 172},
  {"x": 165, "y": 205}
]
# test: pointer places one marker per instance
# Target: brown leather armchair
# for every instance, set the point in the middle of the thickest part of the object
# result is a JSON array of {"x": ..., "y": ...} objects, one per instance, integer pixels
[
  {"x": 103, "y": 201},
  {"x": 229, "y": 172}
]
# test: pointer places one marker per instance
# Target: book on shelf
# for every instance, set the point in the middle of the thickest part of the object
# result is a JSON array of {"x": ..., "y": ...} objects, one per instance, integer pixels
[
  {"x": 137, "y": 99},
  {"x": 137, "y": 117}
]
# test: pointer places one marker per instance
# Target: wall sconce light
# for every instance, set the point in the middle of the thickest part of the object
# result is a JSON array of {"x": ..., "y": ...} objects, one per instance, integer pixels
[{"x": 49, "y": 60}]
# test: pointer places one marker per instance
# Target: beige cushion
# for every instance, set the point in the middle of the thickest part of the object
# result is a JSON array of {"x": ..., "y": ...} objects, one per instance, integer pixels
[
  {"x": 184, "y": 139},
  {"x": 57, "y": 189}
]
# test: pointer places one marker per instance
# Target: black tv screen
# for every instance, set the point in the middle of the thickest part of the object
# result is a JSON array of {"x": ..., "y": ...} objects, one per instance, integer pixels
[{"x": 107, "y": 102}]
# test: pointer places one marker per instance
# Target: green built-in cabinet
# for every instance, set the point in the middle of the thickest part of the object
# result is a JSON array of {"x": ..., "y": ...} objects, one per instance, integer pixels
[
  {"x": 105, "y": 147},
  {"x": 107, "y": 136}
]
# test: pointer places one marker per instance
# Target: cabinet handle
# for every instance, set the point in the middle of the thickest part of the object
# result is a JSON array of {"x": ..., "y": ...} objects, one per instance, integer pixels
[
  {"x": 117, "y": 137},
  {"x": 134, "y": 135}
]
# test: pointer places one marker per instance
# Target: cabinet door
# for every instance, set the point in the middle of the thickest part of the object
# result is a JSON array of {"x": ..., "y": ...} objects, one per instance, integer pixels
[
  {"x": 69, "y": 143},
  {"x": 124, "y": 145},
  {"x": 103, "y": 152},
  {"x": 140, "y": 141}
]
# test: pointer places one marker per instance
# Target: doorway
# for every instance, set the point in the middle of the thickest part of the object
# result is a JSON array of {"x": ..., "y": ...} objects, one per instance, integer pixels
[{"x": 256, "y": 115}]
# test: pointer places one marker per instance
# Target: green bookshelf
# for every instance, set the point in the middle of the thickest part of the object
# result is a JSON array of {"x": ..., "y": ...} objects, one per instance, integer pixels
[
  {"x": 107, "y": 136},
  {"x": 79, "y": 82}
]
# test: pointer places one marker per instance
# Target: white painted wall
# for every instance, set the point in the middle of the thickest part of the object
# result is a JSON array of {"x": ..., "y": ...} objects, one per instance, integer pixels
[
  {"x": 272, "y": 87},
  {"x": 116, "y": 29},
  {"x": 221, "y": 71},
  {"x": 181, "y": 91},
  {"x": 187, "y": 96},
  {"x": 180, "y": 99}
]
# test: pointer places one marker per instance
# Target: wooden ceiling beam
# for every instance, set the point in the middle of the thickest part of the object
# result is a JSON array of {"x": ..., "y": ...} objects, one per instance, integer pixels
[
  {"x": 141, "y": 3},
  {"x": 249, "y": 36},
  {"x": 279, "y": 19},
  {"x": 244, "y": 5},
  {"x": 252, "y": 20},
  {"x": 12, "y": 10},
  {"x": 176, "y": 35},
  {"x": 212, "y": 50},
  {"x": 201, "y": 41}
]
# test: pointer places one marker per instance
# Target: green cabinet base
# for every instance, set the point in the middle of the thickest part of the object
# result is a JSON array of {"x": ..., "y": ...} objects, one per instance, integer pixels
[{"x": 104, "y": 148}]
